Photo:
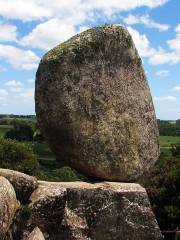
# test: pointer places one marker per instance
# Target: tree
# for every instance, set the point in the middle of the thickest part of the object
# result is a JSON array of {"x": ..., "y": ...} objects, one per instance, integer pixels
[
  {"x": 175, "y": 149},
  {"x": 17, "y": 156},
  {"x": 163, "y": 187},
  {"x": 22, "y": 131}
]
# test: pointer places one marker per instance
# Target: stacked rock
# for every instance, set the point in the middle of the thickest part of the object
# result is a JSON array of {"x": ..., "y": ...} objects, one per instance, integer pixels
[
  {"x": 95, "y": 109},
  {"x": 94, "y": 105}
]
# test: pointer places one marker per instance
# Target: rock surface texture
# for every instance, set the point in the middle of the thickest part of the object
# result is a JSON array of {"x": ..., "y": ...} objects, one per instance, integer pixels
[
  {"x": 36, "y": 234},
  {"x": 94, "y": 105},
  {"x": 101, "y": 211},
  {"x": 8, "y": 206},
  {"x": 23, "y": 184}
]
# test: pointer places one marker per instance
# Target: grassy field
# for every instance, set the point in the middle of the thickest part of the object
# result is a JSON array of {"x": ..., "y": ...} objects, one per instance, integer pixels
[{"x": 165, "y": 143}]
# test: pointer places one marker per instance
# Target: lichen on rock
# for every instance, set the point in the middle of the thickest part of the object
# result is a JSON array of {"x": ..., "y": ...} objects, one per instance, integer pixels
[
  {"x": 105, "y": 210},
  {"x": 94, "y": 105}
]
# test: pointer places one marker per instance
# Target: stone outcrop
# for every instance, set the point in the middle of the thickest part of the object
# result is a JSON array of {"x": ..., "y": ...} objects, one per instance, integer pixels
[
  {"x": 23, "y": 184},
  {"x": 95, "y": 109},
  {"x": 36, "y": 234},
  {"x": 8, "y": 206},
  {"x": 106, "y": 210},
  {"x": 78, "y": 211},
  {"x": 94, "y": 105}
]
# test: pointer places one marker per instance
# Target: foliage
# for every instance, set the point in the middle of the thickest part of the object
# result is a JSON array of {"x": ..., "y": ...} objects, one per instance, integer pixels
[
  {"x": 66, "y": 174},
  {"x": 163, "y": 188},
  {"x": 4, "y": 129},
  {"x": 22, "y": 131},
  {"x": 37, "y": 136},
  {"x": 17, "y": 156},
  {"x": 169, "y": 128},
  {"x": 175, "y": 149}
]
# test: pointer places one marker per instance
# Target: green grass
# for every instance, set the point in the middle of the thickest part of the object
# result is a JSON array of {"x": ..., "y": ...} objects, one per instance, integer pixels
[
  {"x": 4, "y": 129},
  {"x": 165, "y": 143}
]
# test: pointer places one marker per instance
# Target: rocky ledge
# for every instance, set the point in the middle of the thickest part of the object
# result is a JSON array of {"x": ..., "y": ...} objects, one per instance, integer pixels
[{"x": 78, "y": 210}]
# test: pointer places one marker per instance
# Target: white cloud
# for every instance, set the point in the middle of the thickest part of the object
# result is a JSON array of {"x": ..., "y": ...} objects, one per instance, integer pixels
[
  {"x": 18, "y": 58},
  {"x": 174, "y": 44},
  {"x": 33, "y": 9},
  {"x": 164, "y": 57},
  {"x": 160, "y": 55},
  {"x": 14, "y": 86},
  {"x": 3, "y": 97},
  {"x": 13, "y": 83},
  {"x": 31, "y": 80},
  {"x": 21, "y": 102},
  {"x": 145, "y": 19},
  {"x": 8, "y": 32},
  {"x": 48, "y": 34},
  {"x": 170, "y": 57},
  {"x": 26, "y": 95},
  {"x": 165, "y": 98},
  {"x": 23, "y": 10},
  {"x": 162, "y": 73},
  {"x": 142, "y": 43},
  {"x": 3, "y": 93},
  {"x": 176, "y": 88}
]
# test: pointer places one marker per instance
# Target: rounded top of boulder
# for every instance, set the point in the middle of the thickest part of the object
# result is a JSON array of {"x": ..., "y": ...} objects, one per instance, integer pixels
[
  {"x": 94, "y": 105},
  {"x": 90, "y": 40}
]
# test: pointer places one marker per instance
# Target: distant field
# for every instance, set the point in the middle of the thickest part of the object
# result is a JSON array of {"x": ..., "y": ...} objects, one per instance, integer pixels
[
  {"x": 166, "y": 141},
  {"x": 4, "y": 129}
]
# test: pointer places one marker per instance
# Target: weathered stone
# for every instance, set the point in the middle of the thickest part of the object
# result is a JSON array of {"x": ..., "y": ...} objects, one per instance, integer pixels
[
  {"x": 23, "y": 184},
  {"x": 101, "y": 211},
  {"x": 36, "y": 234},
  {"x": 94, "y": 105},
  {"x": 8, "y": 206}
]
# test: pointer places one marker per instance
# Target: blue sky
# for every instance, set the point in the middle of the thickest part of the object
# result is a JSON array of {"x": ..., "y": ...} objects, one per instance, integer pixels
[{"x": 30, "y": 28}]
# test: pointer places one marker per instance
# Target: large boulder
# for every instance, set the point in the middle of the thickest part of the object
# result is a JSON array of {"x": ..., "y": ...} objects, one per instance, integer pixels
[
  {"x": 8, "y": 206},
  {"x": 79, "y": 211},
  {"x": 23, "y": 184},
  {"x": 94, "y": 105}
]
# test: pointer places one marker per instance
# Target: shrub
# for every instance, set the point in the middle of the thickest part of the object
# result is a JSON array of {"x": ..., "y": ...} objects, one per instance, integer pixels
[
  {"x": 65, "y": 174},
  {"x": 22, "y": 131},
  {"x": 163, "y": 188},
  {"x": 17, "y": 156}
]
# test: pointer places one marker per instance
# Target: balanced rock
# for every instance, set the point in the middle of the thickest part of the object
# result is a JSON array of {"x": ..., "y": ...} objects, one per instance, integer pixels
[
  {"x": 106, "y": 210},
  {"x": 94, "y": 105},
  {"x": 23, "y": 184},
  {"x": 8, "y": 206}
]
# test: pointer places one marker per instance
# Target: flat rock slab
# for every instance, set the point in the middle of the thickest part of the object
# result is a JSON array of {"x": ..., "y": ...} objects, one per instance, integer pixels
[
  {"x": 101, "y": 211},
  {"x": 8, "y": 206},
  {"x": 23, "y": 184},
  {"x": 94, "y": 105}
]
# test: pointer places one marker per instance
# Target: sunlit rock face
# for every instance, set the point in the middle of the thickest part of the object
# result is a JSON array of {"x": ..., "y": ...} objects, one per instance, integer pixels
[
  {"x": 36, "y": 234},
  {"x": 23, "y": 184},
  {"x": 94, "y": 105},
  {"x": 8, "y": 206},
  {"x": 101, "y": 211}
]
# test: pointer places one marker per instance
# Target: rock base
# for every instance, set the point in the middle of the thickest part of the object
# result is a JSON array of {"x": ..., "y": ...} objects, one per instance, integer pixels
[{"x": 101, "y": 211}]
